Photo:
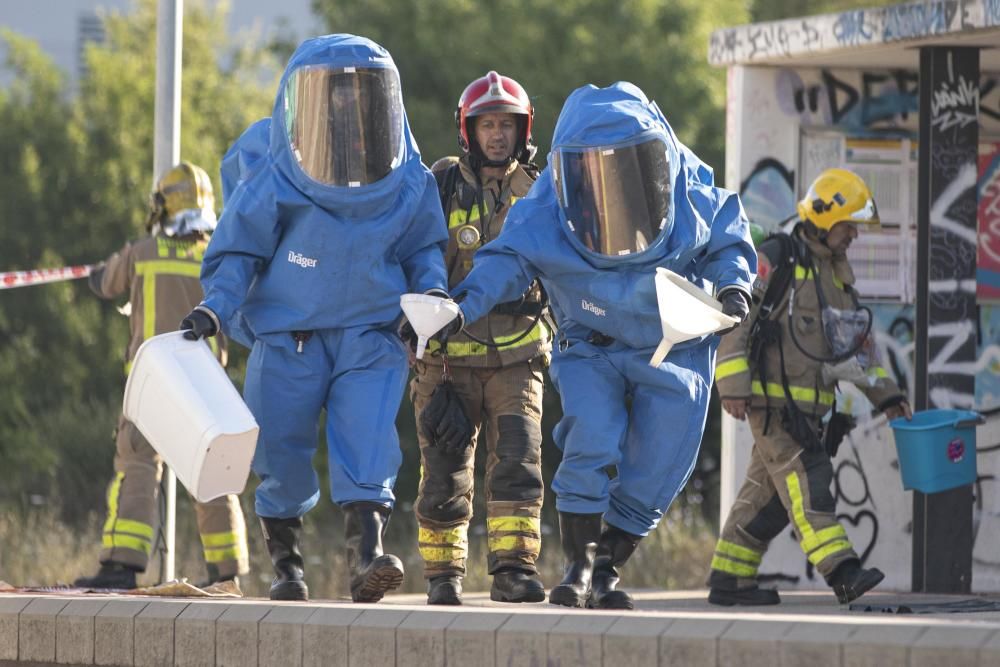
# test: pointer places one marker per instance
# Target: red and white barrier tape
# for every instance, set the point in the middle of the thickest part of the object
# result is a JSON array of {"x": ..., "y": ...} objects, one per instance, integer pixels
[{"x": 12, "y": 279}]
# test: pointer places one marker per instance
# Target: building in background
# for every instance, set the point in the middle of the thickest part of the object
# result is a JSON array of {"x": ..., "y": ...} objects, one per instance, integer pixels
[
  {"x": 64, "y": 27},
  {"x": 907, "y": 96}
]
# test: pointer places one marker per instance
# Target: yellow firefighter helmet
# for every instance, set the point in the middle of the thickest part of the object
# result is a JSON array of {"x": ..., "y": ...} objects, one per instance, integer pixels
[
  {"x": 185, "y": 189},
  {"x": 838, "y": 195}
]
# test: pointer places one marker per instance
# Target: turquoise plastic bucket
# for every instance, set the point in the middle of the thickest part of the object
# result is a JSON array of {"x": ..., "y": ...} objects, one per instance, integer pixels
[{"x": 937, "y": 449}]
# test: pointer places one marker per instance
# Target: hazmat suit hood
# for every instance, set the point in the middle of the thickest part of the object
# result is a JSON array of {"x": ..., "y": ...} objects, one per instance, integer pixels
[
  {"x": 621, "y": 116},
  {"x": 337, "y": 52}
]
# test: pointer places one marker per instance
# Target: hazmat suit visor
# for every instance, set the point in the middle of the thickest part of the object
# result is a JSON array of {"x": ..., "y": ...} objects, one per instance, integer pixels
[
  {"x": 344, "y": 125},
  {"x": 616, "y": 199}
]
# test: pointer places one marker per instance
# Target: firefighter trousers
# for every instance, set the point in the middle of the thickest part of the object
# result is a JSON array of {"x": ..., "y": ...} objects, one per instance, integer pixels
[
  {"x": 783, "y": 482},
  {"x": 507, "y": 403},
  {"x": 133, "y": 515}
]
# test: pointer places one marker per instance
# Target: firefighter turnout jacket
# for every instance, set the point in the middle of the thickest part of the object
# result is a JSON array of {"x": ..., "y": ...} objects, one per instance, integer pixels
[
  {"x": 790, "y": 473},
  {"x": 501, "y": 394},
  {"x": 160, "y": 274}
]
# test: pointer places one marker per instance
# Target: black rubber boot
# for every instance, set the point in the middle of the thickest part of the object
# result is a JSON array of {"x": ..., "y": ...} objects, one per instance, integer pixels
[
  {"x": 372, "y": 572},
  {"x": 579, "y": 534},
  {"x": 850, "y": 581},
  {"x": 728, "y": 590},
  {"x": 516, "y": 585},
  {"x": 215, "y": 578},
  {"x": 445, "y": 590},
  {"x": 282, "y": 538},
  {"x": 746, "y": 597},
  {"x": 614, "y": 548},
  {"x": 112, "y": 576}
]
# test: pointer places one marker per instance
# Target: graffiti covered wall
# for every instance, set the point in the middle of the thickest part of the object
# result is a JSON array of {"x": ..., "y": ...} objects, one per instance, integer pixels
[{"x": 783, "y": 127}]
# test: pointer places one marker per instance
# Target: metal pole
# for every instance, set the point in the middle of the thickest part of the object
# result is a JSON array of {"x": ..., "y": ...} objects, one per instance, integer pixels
[{"x": 167, "y": 153}]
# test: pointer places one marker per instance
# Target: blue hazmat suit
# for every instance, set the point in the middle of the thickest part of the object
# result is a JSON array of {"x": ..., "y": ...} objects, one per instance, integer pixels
[
  {"x": 704, "y": 237},
  {"x": 294, "y": 255}
]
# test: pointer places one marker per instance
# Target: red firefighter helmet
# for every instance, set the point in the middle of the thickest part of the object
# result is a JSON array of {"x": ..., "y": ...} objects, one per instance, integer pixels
[{"x": 495, "y": 93}]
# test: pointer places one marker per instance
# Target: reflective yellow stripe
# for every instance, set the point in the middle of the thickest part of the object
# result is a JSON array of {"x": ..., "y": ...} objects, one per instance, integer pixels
[
  {"x": 223, "y": 554},
  {"x": 443, "y": 544},
  {"x": 798, "y": 506},
  {"x": 723, "y": 564},
  {"x": 799, "y": 394},
  {"x": 454, "y": 535},
  {"x": 458, "y": 217},
  {"x": 731, "y": 367},
  {"x": 210, "y": 540},
  {"x": 821, "y": 537},
  {"x": 149, "y": 270},
  {"x": 802, "y": 273},
  {"x": 878, "y": 372},
  {"x": 126, "y": 542},
  {"x": 136, "y": 528},
  {"x": 178, "y": 267},
  {"x": 736, "y": 551},
  {"x": 513, "y": 524},
  {"x": 819, "y": 555},
  {"x": 810, "y": 538},
  {"x": 514, "y": 543},
  {"x": 472, "y": 348},
  {"x": 113, "y": 490},
  {"x": 442, "y": 554}
]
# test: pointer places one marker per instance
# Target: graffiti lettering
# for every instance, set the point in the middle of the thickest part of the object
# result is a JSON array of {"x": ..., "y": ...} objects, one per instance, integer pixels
[
  {"x": 917, "y": 20},
  {"x": 852, "y": 29},
  {"x": 955, "y": 103}
]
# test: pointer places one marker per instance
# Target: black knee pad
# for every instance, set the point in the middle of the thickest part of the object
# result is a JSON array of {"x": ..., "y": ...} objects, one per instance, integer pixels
[
  {"x": 819, "y": 472},
  {"x": 517, "y": 474},
  {"x": 447, "y": 484},
  {"x": 770, "y": 520}
]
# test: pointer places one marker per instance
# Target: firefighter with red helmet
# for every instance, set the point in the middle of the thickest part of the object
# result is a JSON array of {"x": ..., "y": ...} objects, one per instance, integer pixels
[{"x": 494, "y": 367}]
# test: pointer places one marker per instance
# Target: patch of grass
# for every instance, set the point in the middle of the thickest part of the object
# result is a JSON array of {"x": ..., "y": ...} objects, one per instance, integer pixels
[{"x": 39, "y": 549}]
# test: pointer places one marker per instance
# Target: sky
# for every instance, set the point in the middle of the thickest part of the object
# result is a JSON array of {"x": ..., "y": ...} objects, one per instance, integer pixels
[{"x": 53, "y": 23}]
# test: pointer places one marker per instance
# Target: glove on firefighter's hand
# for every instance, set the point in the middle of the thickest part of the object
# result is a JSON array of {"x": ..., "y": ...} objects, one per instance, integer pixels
[
  {"x": 443, "y": 421},
  {"x": 735, "y": 303},
  {"x": 407, "y": 334},
  {"x": 450, "y": 329},
  {"x": 200, "y": 323}
]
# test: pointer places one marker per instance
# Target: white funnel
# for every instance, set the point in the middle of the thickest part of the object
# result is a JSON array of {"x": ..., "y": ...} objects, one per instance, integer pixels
[
  {"x": 427, "y": 315},
  {"x": 686, "y": 312}
]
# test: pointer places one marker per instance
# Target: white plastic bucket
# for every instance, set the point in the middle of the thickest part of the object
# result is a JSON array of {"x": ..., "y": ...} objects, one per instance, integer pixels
[
  {"x": 182, "y": 401},
  {"x": 686, "y": 312}
]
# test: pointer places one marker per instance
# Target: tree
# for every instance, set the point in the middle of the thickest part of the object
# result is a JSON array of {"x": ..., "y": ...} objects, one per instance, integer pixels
[
  {"x": 76, "y": 182},
  {"x": 551, "y": 49},
  {"x": 775, "y": 10}
]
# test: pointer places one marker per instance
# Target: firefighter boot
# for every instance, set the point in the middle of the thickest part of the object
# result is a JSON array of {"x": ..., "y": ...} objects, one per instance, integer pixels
[
  {"x": 513, "y": 584},
  {"x": 724, "y": 590},
  {"x": 850, "y": 581},
  {"x": 614, "y": 548},
  {"x": 445, "y": 590},
  {"x": 215, "y": 577},
  {"x": 372, "y": 572},
  {"x": 111, "y": 575},
  {"x": 579, "y": 534},
  {"x": 282, "y": 538}
]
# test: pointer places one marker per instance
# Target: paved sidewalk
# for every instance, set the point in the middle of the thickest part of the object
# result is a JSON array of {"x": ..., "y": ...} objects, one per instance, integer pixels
[{"x": 675, "y": 628}]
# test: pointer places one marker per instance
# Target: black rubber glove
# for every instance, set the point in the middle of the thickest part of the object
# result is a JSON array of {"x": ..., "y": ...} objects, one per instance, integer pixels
[
  {"x": 735, "y": 303},
  {"x": 407, "y": 334},
  {"x": 200, "y": 323},
  {"x": 450, "y": 329},
  {"x": 443, "y": 421}
]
